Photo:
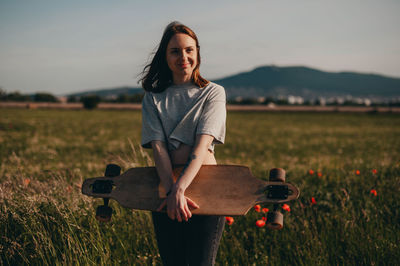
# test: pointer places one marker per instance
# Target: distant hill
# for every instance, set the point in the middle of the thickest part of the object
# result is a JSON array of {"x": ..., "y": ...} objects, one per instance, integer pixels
[
  {"x": 296, "y": 80},
  {"x": 308, "y": 83}
]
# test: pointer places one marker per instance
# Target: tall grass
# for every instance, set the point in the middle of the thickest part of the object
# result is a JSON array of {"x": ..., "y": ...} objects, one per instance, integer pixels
[{"x": 46, "y": 154}]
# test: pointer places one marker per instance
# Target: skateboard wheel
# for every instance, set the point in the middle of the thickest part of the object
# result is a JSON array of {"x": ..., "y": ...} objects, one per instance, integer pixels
[
  {"x": 277, "y": 175},
  {"x": 112, "y": 170},
  {"x": 275, "y": 220},
  {"x": 103, "y": 213}
]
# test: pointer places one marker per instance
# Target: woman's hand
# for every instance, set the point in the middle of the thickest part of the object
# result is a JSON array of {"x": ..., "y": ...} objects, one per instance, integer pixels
[{"x": 178, "y": 206}]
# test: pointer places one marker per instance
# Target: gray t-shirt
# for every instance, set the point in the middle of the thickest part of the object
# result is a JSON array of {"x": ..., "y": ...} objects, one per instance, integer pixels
[{"x": 181, "y": 112}]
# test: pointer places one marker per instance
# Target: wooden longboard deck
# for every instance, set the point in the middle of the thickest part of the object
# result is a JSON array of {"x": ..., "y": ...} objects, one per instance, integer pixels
[{"x": 217, "y": 189}]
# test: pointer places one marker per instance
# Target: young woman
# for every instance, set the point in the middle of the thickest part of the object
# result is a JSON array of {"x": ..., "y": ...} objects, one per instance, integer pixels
[{"x": 183, "y": 117}]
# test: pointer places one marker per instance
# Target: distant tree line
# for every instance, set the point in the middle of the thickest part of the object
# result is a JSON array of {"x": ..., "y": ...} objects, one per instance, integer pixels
[
  {"x": 121, "y": 98},
  {"x": 91, "y": 101},
  {"x": 18, "y": 97}
]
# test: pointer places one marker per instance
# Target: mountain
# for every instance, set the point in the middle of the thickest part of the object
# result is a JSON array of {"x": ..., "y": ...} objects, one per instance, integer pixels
[
  {"x": 308, "y": 83},
  {"x": 302, "y": 81}
]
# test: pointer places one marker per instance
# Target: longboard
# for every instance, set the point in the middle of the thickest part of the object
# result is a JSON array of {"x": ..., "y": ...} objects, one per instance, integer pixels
[{"x": 228, "y": 190}]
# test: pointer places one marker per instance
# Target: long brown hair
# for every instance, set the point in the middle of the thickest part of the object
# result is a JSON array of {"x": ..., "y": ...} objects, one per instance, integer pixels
[{"x": 157, "y": 76}]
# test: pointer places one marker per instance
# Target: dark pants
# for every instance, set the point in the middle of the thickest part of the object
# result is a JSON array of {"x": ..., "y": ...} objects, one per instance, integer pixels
[{"x": 194, "y": 242}]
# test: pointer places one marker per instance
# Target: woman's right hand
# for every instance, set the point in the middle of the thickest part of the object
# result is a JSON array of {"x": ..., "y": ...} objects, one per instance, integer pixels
[{"x": 178, "y": 206}]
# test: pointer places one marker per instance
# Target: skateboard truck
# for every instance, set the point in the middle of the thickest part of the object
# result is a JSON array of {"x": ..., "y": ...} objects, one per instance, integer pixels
[
  {"x": 277, "y": 192},
  {"x": 103, "y": 186},
  {"x": 104, "y": 212},
  {"x": 275, "y": 218}
]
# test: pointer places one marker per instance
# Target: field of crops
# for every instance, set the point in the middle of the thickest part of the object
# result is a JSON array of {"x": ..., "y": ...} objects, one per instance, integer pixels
[{"x": 349, "y": 164}]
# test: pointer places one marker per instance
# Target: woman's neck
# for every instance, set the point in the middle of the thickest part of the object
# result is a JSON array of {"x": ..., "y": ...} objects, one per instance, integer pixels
[{"x": 182, "y": 80}]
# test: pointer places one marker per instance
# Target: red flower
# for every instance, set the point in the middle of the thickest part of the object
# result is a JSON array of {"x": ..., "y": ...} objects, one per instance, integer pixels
[
  {"x": 265, "y": 210},
  {"x": 310, "y": 172},
  {"x": 374, "y": 171},
  {"x": 373, "y": 192},
  {"x": 358, "y": 172},
  {"x": 257, "y": 208},
  {"x": 264, "y": 218},
  {"x": 260, "y": 223},
  {"x": 319, "y": 174},
  {"x": 26, "y": 182},
  {"x": 313, "y": 201},
  {"x": 229, "y": 220},
  {"x": 286, "y": 207}
]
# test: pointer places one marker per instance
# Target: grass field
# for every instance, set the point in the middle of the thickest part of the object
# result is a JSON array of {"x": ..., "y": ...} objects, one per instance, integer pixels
[{"x": 45, "y": 155}]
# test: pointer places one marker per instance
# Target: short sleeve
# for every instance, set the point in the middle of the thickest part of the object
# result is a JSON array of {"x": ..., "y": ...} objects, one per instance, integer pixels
[
  {"x": 213, "y": 117},
  {"x": 152, "y": 128}
]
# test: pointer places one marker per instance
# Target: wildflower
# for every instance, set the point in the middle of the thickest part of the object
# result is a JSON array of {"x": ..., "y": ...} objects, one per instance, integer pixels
[
  {"x": 265, "y": 210},
  {"x": 257, "y": 208},
  {"x": 310, "y": 172},
  {"x": 358, "y": 172},
  {"x": 229, "y": 220},
  {"x": 374, "y": 171},
  {"x": 26, "y": 182},
  {"x": 260, "y": 223},
  {"x": 319, "y": 174},
  {"x": 264, "y": 218},
  {"x": 373, "y": 192},
  {"x": 286, "y": 207},
  {"x": 313, "y": 201}
]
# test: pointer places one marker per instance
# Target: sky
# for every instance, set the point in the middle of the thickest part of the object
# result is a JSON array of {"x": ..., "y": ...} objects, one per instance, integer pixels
[{"x": 63, "y": 47}]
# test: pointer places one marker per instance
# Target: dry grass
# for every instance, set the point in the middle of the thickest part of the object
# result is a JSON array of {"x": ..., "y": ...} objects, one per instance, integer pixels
[{"x": 46, "y": 154}]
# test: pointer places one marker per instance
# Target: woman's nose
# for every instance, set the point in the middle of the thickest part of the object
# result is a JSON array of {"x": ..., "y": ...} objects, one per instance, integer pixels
[{"x": 183, "y": 55}]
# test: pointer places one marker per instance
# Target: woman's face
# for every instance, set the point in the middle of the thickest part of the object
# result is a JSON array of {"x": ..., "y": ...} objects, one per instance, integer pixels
[{"x": 181, "y": 57}]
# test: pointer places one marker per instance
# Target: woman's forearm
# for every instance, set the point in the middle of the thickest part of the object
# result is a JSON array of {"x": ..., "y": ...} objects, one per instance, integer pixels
[
  {"x": 163, "y": 164},
  {"x": 194, "y": 163}
]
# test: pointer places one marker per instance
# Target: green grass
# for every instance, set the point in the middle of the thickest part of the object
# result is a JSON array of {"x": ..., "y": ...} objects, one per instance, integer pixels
[{"x": 46, "y": 154}]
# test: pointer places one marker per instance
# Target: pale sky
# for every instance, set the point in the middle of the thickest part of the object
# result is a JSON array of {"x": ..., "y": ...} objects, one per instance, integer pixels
[{"x": 69, "y": 46}]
